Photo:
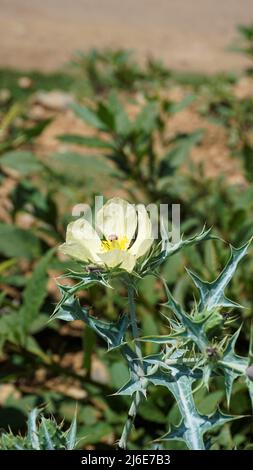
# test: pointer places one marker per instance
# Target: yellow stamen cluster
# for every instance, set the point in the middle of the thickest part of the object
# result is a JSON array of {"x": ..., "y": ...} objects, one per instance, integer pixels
[{"x": 116, "y": 244}]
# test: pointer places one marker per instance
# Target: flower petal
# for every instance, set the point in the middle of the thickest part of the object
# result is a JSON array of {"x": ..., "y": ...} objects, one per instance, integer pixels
[
  {"x": 82, "y": 237},
  {"x": 77, "y": 251},
  {"x": 144, "y": 237},
  {"x": 120, "y": 258},
  {"x": 117, "y": 217}
]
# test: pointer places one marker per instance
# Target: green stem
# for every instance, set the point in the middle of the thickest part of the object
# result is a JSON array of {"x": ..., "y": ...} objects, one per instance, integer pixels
[
  {"x": 130, "y": 421},
  {"x": 135, "y": 331},
  {"x": 137, "y": 396}
]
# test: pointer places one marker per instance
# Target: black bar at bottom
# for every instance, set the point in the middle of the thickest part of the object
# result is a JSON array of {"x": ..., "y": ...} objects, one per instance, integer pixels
[{"x": 123, "y": 459}]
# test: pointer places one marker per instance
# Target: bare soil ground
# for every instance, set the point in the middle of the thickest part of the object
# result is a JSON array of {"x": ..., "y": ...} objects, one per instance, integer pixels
[{"x": 186, "y": 34}]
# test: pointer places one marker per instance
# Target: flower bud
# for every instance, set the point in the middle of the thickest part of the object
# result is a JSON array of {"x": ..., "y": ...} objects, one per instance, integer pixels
[
  {"x": 212, "y": 353},
  {"x": 249, "y": 372}
]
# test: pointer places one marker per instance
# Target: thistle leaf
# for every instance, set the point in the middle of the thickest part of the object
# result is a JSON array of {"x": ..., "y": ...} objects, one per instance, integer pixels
[
  {"x": 193, "y": 425},
  {"x": 42, "y": 434},
  {"x": 162, "y": 339},
  {"x": 85, "y": 281},
  {"x": 249, "y": 378},
  {"x": 206, "y": 423},
  {"x": 169, "y": 249},
  {"x": 232, "y": 365},
  {"x": 32, "y": 430},
  {"x": 189, "y": 429},
  {"x": 112, "y": 333},
  {"x": 134, "y": 385},
  {"x": 193, "y": 330},
  {"x": 71, "y": 435},
  {"x": 212, "y": 293},
  {"x": 48, "y": 441}
]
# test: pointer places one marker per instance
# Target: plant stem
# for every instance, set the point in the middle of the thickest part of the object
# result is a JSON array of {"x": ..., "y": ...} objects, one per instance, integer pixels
[
  {"x": 137, "y": 396},
  {"x": 130, "y": 421},
  {"x": 135, "y": 331}
]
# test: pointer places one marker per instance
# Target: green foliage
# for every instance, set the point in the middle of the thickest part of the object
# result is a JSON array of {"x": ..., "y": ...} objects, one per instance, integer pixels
[
  {"x": 23, "y": 162},
  {"x": 35, "y": 293},
  {"x": 99, "y": 71},
  {"x": 42, "y": 434},
  {"x": 244, "y": 42},
  {"x": 131, "y": 145},
  {"x": 12, "y": 136},
  {"x": 18, "y": 326},
  {"x": 17, "y": 242}
]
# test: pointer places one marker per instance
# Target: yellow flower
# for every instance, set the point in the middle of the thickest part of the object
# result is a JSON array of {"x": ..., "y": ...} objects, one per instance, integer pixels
[{"x": 126, "y": 235}]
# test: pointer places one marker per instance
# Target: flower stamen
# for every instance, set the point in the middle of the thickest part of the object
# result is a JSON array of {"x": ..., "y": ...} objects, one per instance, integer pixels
[{"x": 114, "y": 243}]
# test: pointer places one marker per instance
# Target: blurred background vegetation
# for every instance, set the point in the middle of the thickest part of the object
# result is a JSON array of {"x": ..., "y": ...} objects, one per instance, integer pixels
[{"x": 109, "y": 125}]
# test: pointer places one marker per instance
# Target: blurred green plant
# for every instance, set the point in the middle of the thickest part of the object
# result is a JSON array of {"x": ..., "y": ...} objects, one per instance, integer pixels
[
  {"x": 101, "y": 70},
  {"x": 244, "y": 43},
  {"x": 131, "y": 144},
  {"x": 42, "y": 434}
]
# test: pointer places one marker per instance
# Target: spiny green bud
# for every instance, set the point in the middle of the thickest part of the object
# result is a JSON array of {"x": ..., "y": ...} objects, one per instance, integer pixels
[
  {"x": 249, "y": 372},
  {"x": 213, "y": 353},
  {"x": 214, "y": 323}
]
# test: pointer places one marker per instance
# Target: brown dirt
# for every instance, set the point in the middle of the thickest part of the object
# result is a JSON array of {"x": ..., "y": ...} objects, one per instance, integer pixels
[
  {"x": 212, "y": 152},
  {"x": 188, "y": 35}
]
